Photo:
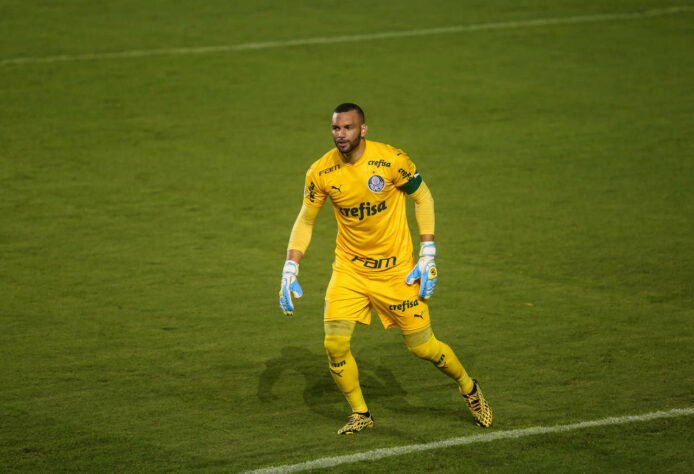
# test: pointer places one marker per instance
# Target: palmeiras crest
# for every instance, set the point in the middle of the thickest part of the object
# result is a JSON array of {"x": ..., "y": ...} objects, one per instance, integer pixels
[{"x": 376, "y": 183}]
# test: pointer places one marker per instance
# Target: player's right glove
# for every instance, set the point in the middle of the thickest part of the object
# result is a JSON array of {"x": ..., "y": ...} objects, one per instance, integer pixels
[
  {"x": 289, "y": 286},
  {"x": 425, "y": 270}
]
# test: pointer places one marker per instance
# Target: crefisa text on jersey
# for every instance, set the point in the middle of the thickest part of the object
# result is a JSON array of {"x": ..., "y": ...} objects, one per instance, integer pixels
[
  {"x": 379, "y": 163},
  {"x": 364, "y": 209},
  {"x": 405, "y": 305}
]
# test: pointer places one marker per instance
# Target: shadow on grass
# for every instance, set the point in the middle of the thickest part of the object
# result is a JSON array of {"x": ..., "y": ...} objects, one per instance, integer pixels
[{"x": 320, "y": 393}]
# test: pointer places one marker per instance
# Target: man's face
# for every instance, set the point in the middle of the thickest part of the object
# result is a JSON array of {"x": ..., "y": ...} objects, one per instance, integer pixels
[{"x": 348, "y": 131}]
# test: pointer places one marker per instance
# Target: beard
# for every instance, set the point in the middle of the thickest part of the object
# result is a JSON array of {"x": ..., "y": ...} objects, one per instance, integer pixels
[{"x": 350, "y": 146}]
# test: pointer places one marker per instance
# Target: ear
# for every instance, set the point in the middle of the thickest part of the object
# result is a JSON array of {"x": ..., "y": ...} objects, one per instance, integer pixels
[{"x": 364, "y": 129}]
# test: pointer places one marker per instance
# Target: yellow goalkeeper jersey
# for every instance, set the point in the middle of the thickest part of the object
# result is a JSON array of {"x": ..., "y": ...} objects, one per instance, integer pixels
[{"x": 369, "y": 201}]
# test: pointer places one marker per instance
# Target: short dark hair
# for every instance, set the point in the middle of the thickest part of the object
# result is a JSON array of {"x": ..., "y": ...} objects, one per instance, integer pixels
[{"x": 347, "y": 107}]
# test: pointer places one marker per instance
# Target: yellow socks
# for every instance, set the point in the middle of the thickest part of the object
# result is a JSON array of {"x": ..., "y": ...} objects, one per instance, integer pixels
[
  {"x": 344, "y": 370},
  {"x": 443, "y": 357}
]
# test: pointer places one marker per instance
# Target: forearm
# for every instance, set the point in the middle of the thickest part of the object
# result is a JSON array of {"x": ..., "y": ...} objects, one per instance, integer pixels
[
  {"x": 300, "y": 237},
  {"x": 424, "y": 212}
]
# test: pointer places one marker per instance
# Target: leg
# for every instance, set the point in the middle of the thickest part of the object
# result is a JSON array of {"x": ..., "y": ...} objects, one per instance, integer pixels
[
  {"x": 346, "y": 303},
  {"x": 344, "y": 370},
  {"x": 343, "y": 367},
  {"x": 399, "y": 304},
  {"x": 424, "y": 345}
]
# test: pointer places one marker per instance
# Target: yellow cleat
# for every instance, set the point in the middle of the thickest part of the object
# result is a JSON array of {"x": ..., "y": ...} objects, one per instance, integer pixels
[
  {"x": 480, "y": 409},
  {"x": 356, "y": 423}
]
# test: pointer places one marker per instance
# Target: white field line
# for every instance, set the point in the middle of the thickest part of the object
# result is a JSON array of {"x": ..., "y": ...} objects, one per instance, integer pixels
[
  {"x": 347, "y": 38},
  {"x": 322, "y": 463}
]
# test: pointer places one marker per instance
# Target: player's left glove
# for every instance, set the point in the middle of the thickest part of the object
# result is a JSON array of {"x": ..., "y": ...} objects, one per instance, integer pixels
[
  {"x": 289, "y": 286},
  {"x": 425, "y": 270}
]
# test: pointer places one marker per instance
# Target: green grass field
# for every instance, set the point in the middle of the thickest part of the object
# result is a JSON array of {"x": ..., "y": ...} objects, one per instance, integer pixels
[{"x": 146, "y": 204}]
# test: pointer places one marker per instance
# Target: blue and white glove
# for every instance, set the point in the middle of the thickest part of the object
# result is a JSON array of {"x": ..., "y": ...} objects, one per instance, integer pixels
[
  {"x": 425, "y": 270},
  {"x": 289, "y": 286}
]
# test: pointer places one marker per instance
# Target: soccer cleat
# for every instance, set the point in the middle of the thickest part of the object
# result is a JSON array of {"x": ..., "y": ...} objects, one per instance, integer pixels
[
  {"x": 356, "y": 423},
  {"x": 481, "y": 411}
]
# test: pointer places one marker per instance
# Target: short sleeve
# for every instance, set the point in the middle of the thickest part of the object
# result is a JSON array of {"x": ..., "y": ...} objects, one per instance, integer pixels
[
  {"x": 407, "y": 178},
  {"x": 314, "y": 196}
]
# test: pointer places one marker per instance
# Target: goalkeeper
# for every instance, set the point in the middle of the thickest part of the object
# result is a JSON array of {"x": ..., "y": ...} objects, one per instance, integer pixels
[{"x": 367, "y": 183}]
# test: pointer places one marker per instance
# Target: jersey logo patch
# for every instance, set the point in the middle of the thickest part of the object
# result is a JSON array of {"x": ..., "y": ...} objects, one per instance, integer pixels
[{"x": 376, "y": 183}]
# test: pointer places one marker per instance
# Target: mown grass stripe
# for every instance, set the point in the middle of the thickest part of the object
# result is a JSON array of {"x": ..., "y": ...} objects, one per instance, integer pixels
[
  {"x": 376, "y": 454},
  {"x": 346, "y": 38}
]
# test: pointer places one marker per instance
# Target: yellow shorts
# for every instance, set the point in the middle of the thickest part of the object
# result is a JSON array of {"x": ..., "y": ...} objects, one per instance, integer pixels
[{"x": 351, "y": 297}]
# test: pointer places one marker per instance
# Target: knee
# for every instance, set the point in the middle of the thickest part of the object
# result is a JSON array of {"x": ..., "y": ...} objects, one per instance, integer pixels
[
  {"x": 422, "y": 343},
  {"x": 426, "y": 351},
  {"x": 337, "y": 347}
]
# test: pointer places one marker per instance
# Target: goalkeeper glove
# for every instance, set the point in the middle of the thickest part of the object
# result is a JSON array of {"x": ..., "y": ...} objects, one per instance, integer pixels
[
  {"x": 425, "y": 270},
  {"x": 289, "y": 286}
]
